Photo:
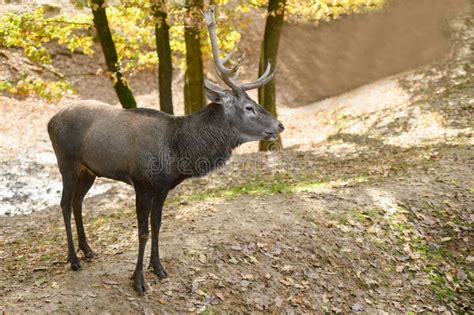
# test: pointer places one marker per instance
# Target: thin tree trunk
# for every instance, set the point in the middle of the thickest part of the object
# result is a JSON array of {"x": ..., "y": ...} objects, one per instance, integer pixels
[
  {"x": 194, "y": 98},
  {"x": 119, "y": 82},
  {"x": 163, "y": 49},
  {"x": 266, "y": 94}
]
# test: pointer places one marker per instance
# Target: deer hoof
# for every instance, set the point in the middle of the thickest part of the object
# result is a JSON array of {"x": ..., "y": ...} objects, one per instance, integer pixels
[
  {"x": 75, "y": 266},
  {"x": 88, "y": 252},
  {"x": 158, "y": 270},
  {"x": 139, "y": 282}
]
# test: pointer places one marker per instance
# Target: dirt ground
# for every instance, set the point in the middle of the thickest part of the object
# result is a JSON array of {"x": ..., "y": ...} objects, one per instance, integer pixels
[{"x": 368, "y": 209}]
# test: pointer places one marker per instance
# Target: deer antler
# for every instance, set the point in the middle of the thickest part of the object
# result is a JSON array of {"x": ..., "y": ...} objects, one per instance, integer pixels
[
  {"x": 225, "y": 73},
  {"x": 229, "y": 75},
  {"x": 264, "y": 79},
  {"x": 229, "y": 55}
]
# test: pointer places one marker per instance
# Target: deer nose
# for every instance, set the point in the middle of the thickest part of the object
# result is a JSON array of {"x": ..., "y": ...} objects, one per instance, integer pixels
[{"x": 280, "y": 127}]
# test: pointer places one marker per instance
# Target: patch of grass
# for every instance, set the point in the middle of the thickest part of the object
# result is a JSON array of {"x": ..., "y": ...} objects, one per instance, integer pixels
[
  {"x": 270, "y": 186},
  {"x": 439, "y": 285},
  {"x": 432, "y": 254},
  {"x": 364, "y": 215},
  {"x": 361, "y": 178},
  {"x": 310, "y": 186},
  {"x": 258, "y": 187}
]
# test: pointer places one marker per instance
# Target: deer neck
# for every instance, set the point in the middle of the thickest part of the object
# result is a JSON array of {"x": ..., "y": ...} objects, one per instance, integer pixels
[{"x": 205, "y": 140}]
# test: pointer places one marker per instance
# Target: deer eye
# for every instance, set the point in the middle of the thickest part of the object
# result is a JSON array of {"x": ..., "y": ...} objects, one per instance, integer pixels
[{"x": 250, "y": 108}]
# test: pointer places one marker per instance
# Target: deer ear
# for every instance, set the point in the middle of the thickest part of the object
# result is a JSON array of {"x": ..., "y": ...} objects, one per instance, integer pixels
[{"x": 214, "y": 92}]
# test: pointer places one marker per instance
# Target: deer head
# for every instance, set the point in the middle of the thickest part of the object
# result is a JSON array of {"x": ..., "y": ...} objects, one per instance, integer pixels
[{"x": 251, "y": 119}]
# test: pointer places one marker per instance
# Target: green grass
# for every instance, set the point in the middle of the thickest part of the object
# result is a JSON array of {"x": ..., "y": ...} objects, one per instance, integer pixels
[
  {"x": 271, "y": 186},
  {"x": 439, "y": 285}
]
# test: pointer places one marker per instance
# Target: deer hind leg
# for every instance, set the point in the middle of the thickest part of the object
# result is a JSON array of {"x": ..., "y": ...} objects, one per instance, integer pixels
[
  {"x": 84, "y": 183},
  {"x": 144, "y": 200},
  {"x": 70, "y": 174}
]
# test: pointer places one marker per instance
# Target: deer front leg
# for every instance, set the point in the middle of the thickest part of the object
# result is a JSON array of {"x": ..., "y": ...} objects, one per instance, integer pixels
[
  {"x": 156, "y": 214},
  {"x": 144, "y": 204}
]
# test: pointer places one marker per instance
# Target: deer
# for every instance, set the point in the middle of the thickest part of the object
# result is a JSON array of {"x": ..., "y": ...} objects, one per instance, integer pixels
[{"x": 153, "y": 151}]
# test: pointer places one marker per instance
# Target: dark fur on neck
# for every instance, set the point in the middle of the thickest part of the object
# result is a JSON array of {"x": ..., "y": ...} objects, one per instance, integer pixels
[{"x": 203, "y": 141}]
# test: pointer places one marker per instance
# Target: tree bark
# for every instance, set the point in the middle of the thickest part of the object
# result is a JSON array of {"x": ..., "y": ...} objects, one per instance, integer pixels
[
  {"x": 163, "y": 49},
  {"x": 119, "y": 82},
  {"x": 266, "y": 94},
  {"x": 194, "y": 98}
]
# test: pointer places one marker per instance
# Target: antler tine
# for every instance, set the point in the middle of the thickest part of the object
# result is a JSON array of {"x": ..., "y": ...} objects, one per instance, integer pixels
[
  {"x": 226, "y": 59},
  {"x": 212, "y": 85},
  {"x": 225, "y": 73},
  {"x": 228, "y": 56},
  {"x": 264, "y": 79},
  {"x": 236, "y": 75},
  {"x": 236, "y": 68}
]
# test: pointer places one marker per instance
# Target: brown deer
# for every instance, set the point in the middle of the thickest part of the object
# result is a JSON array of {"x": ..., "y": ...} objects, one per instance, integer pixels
[{"x": 152, "y": 151}]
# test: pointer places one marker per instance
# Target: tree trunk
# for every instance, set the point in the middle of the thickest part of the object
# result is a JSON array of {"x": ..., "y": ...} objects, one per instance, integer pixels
[
  {"x": 163, "y": 49},
  {"x": 119, "y": 82},
  {"x": 194, "y": 98},
  {"x": 266, "y": 94}
]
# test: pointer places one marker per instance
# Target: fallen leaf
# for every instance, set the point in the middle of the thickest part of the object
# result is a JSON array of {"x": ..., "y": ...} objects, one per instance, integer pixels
[
  {"x": 357, "y": 307},
  {"x": 233, "y": 260},
  {"x": 372, "y": 229},
  {"x": 449, "y": 277},
  {"x": 110, "y": 282},
  {"x": 195, "y": 286},
  {"x": 248, "y": 277},
  {"x": 253, "y": 260},
  {"x": 213, "y": 276},
  {"x": 344, "y": 228},
  {"x": 461, "y": 275},
  {"x": 236, "y": 247},
  {"x": 287, "y": 281},
  {"x": 278, "y": 301}
]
